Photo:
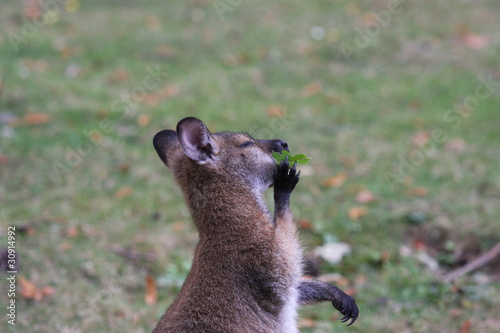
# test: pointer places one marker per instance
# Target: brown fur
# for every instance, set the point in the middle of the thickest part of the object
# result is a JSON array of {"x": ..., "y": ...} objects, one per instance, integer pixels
[{"x": 246, "y": 268}]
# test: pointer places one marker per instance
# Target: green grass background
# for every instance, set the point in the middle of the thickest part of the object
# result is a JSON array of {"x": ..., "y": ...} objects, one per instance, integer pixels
[{"x": 228, "y": 70}]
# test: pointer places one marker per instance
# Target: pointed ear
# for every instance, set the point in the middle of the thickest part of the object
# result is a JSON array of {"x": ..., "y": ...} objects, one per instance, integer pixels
[
  {"x": 163, "y": 141},
  {"x": 196, "y": 140}
]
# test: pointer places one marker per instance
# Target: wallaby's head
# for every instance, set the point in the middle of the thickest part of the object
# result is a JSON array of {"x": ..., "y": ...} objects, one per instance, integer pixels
[{"x": 194, "y": 155}]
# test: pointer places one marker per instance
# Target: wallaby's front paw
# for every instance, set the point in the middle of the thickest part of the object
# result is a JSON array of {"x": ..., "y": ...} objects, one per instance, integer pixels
[
  {"x": 285, "y": 178},
  {"x": 347, "y": 306}
]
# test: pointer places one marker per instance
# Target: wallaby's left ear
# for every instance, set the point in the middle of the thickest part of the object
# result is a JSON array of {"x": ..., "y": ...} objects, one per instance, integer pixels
[
  {"x": 163, "y": 141},
  {"x": 196, "y": 140}
]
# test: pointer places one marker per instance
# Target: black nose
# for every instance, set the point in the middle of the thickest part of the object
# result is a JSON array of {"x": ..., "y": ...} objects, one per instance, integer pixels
[{"x": 279, "y": 145}]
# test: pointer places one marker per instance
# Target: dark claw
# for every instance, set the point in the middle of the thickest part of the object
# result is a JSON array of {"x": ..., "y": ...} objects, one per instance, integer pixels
[{"x": 349, "y": 309}]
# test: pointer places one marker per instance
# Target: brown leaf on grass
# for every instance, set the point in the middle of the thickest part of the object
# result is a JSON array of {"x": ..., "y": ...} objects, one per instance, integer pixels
[
  {"x": 311, "y": 89},
  {"x": 419, "y": 245},
  {"x": 28, "y": 290},
  {"x": 124, "y": 167},
  {"x": 160, "y": 95},
  {"x": 153, "y": 22},
  {"x": 419, "y": 191},
  {"x": 361, "y": 279},
  {"x": 335, "y": 181},
  {"x": 472, "y": 40},
  {"x": 151, "y": 296},
  {"x": 32, "y": 9},
  {"x": 357, "y": 212},
  {"x": 36, "y": 119},
  {"x": 365, "y": 196},
  {"x": 307, "y": 322},
  {"x": 457, "y": 145},
  {"x": 276, "y": 110},
  {"x": 336, "y": 98},
  {"x": 72, "y": 232},
  {"x": 178, "y": 226},
  {"x": 475, "y": 41},
  {"x": 305, "y": 224},
  {"x": 124, "y": 192},
  {"x": 165, "y": 51},
  {"x": 236, "y": 59},
  {"x": 466, "y": 326},
  {"x": 65, "y": 246},
  {"x": 39, "y": 66},
  {"x": 119, "y": 75},
  {"x": 4, "y": 159},
  {"x": 455, "y": 312},
  {"x": 368, "y": 19},
  {"x": 350, "y": 291},
  {"x": 143, "y": 120},
  {"x": 421, "y": 138}
]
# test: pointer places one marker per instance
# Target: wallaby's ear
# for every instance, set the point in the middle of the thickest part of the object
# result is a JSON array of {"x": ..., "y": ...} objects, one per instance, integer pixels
[
  {"x": 163, "y": 141},
  {"x": 196, "y": 140}
]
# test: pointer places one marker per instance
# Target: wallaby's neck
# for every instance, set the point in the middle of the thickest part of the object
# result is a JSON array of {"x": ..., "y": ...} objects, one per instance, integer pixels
[{"x": 221, "y": 206}]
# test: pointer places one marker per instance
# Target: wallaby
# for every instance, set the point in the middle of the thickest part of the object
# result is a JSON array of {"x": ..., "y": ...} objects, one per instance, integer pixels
[{"x": 246, "y": 272}]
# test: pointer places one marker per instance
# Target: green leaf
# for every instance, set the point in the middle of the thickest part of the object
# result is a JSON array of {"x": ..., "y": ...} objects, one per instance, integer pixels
[{"x": 299, "y": 158}]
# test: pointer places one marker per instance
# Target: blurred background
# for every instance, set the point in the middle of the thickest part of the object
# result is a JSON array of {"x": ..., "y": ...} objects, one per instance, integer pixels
[{"x": 396, "y": 102}]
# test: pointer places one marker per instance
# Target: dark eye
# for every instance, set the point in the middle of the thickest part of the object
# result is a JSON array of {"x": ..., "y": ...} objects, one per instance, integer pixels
[{"x": 246, "y": 144}]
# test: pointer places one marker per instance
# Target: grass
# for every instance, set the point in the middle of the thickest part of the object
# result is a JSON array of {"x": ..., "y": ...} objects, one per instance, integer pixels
[{"x": 358, "y": 114}]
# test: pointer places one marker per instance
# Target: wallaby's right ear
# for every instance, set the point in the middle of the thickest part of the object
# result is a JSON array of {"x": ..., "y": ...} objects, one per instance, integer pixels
[
  {"x": 163, "y": 141},
  {"x": 196, "y": 140}
]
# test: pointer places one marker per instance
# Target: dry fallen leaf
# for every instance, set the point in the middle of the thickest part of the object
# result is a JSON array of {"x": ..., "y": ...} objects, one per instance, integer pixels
[
  {"x": 455, "y": 145},
  {"x": 472, "y": 40},
  {"x": 143, "y": 120},
  {"x": 368, "y": 19},
  {"x": 153, "y": 22},
  {"x": 350, "y": 291},
  {"x": 335, "y": 181},
  {"x": 311, "y": 89},
  {"x": 151, "y": 291},
  {"x": 421, "y": 138},
  {"x": 119, "y": 75},
  {"x": 167, "y": 92},
  {"x": 124, "y": 192},
  {"x": 36, "y": 119},
  {"x": 466, "y": 326},
  {"x": 365, "y": 196},
  {"x": 72, "y": 232},
  {"x": 475, "y": 41},
  {"x": 28, "y": 290},
  {"x": 124, "y": 167},
  {"x": 32, "y": 9},
  {"x": 276, "y": 110},
  {"x": 178, "y": 226},
  {"x": 4, "y": 159},
  {"x": 305, "y": 224},
  {"x": 418, "y": 191},
  {"x": 307, "y": 322},
  {"x": 165, "y": 51},
  {"x": 357, "y": 212},
  {"x": 65, "y": 246},
  {"x": 361, "y": 279},
  {"x": 39, "y": 66}
]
